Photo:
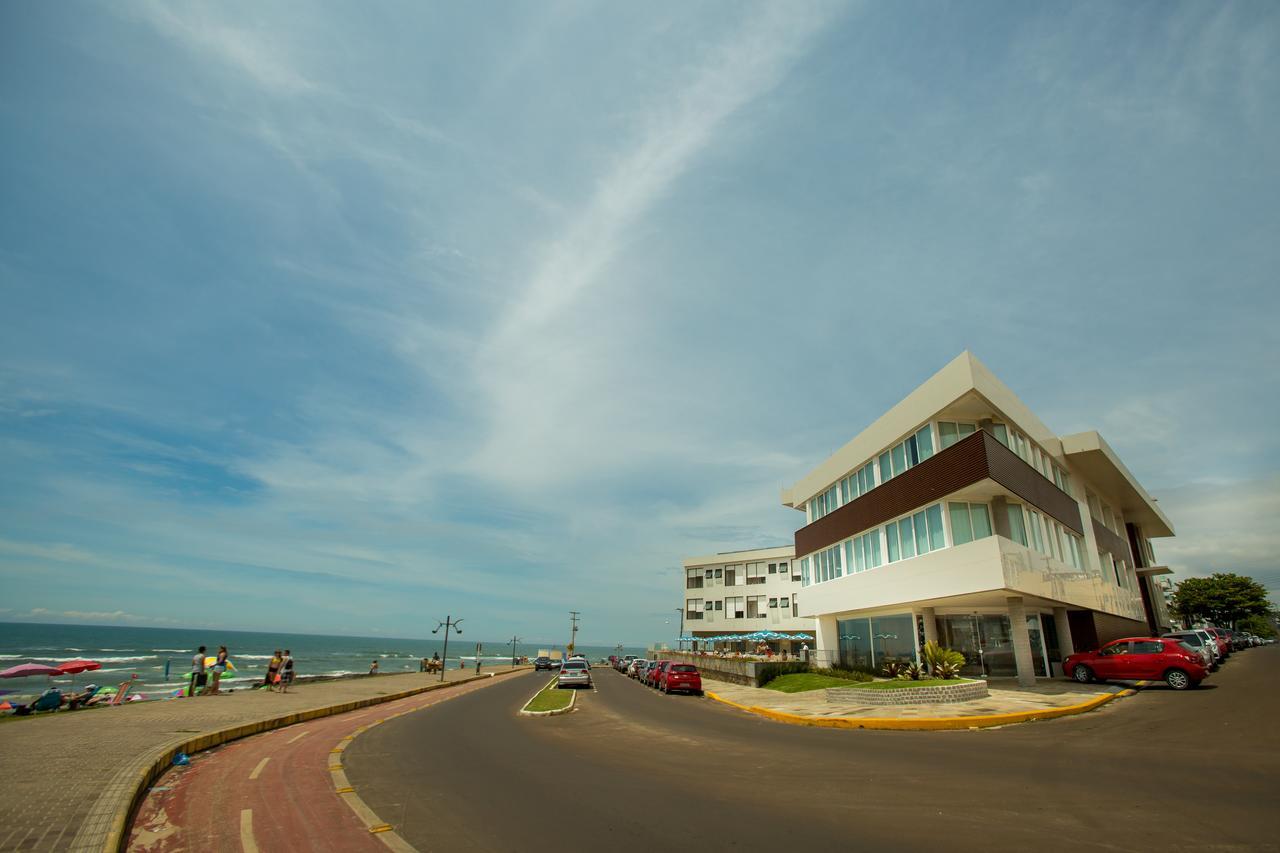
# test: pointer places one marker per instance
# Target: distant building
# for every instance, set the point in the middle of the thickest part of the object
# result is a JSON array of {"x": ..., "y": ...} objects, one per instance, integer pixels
[
  {"x": 743, "y": 592},
  {"x": 959, "y": 516}
]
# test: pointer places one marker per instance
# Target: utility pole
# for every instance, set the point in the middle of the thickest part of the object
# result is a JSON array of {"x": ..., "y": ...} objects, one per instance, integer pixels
[
  {"x": 449, "y": 624},
  {"x": 514, "y": 640},
  {"x": 680, "y": 636},
  {"x": 573, "y": 634}
]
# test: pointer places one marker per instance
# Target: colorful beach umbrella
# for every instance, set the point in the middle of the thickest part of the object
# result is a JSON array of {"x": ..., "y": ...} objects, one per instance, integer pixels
[
  {"x": 72, "y": 667},
  {"x": 22, "y": 670}
]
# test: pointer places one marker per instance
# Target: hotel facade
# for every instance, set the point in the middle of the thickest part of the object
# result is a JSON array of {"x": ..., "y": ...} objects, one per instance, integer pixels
[
  {"x": 743, "y": 592},
  {"x": 958, "y": 516}
]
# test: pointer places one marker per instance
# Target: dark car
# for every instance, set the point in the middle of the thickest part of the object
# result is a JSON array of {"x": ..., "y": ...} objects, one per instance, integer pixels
[
  {"x": 680, "y": 677},
  {"x": 1137, "y": 658},
  {"x": 543, "y": 662}
]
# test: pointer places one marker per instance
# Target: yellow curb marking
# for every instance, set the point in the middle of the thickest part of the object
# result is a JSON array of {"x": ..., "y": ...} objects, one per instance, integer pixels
[
  {"x": 346, "y": 789},
  {"x": 334, "y": 768},
  {"x": 298, "y": 737},
  {"x": 246, "y": 831},
  {"x": 923, "y": 724},
  {"x": 336, "y": 751},
  {"x": 382, "y": 827},
  {"x": 257, "y": 771}
]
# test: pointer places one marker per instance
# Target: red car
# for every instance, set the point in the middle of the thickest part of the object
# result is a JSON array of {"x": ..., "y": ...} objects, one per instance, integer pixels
[
  {"x": 1136, "y": 658},
  {"x": 1224, "y": 644},
  {"x": 680, "y": 676},
  {"x": 651, "y": 677}
]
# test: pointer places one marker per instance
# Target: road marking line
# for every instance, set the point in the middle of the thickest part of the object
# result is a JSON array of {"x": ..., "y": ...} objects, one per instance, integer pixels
[
  {"x": 257, "y": 771},
  {"x": 298, "y": 737},
  {"x": 246, "y": 831}
]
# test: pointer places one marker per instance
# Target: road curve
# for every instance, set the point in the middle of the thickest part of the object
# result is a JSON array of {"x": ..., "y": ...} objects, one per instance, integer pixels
[{"x": 633, "y": 770}]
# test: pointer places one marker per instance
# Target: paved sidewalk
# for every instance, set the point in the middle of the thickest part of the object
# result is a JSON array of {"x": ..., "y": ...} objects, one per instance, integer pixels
[
  {"x": 1006, "y": 697},
  {"x": 67, "y": 774}
]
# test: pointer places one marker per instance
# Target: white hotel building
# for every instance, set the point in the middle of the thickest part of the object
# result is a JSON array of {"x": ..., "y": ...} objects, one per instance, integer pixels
[
  {"x": 959, "y": 516},
  {"x": 742, "y": 592}
]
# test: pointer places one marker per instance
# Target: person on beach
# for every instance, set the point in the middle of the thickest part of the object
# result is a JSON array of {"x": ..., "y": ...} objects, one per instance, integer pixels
[
  {"x": 198, "y": 676},
  {"x": 273, "y": 669},
  {"x": 286, "y": 671},
  {"x": 219, "y": 667},
  {"x": 373, "y": 668}
]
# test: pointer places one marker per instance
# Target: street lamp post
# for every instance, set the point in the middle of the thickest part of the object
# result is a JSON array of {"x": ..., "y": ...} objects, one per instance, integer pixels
[
  {"x": 449, "y": 624},
  {"x": 514, "y": 640},
  {"x": 680, "y": 636}
]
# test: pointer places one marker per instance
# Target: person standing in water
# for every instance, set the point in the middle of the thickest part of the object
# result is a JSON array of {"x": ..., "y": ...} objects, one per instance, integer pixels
[{"x": 373, "y": 668}]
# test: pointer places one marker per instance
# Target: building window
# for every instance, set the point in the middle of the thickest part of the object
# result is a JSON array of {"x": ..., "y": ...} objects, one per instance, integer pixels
[
  {"x": 916, "y": 534},
  {"x": 773, "y": 603},
  {"x": 1001, "y": 433},
  {"x": 693, "y": 608},
  {"x": 756, "y": 573},
  {"x": 773, "y": 568},
  {"x": 782, "y": 602},
  {"x": 719, "y": 604},
  {"x": 719, "y": 572},
  {"x": 969, "y": 522},
  {"x": 859, "y": 482},
  {"x": 693, "y": 579},
  {"x": 710, "y": 574},
  {"x": 1017, "y": 526},
  {"x": 755, "y": 606},
  {"x": 804, "y": 572},
  {"x": 949, "y": 432},
  {"x": 908, "y": 453}
]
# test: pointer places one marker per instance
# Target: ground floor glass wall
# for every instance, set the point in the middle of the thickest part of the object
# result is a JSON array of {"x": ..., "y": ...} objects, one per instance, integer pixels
[
  {"x": 986, "y": 641},
  {"x": 867, "y": 644}
]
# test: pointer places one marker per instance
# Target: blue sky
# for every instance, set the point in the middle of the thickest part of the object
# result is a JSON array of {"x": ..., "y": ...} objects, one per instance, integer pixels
[{"x": 343, "y": 321}]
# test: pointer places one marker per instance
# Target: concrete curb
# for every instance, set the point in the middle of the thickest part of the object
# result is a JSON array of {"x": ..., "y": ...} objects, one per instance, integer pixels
[
  {"x": 933, "y": 724},
  {"x": 573, "y": 701},
  {"x": 118, "y": 836}
]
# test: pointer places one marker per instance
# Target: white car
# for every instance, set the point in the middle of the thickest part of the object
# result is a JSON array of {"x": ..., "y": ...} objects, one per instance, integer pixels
[{"x": 574, "y": 673}]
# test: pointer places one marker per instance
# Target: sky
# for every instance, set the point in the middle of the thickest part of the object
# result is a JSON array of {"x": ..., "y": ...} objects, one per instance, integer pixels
[{"x": 344, "y": 318}]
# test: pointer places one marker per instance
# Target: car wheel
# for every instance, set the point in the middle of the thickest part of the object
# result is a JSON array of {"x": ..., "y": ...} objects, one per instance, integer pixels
[
  {"x": 1177, "y": 679},
  {"x": 1082, "y": 673}
]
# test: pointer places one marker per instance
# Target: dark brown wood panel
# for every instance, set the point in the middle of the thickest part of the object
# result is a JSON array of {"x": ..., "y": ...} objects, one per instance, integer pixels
[
  {"x": 968, "y": 461},
  {"x": 1009, "y": 470},
  {"x": 1112, "y": 542},
  {"x": 962, "y": 464}
]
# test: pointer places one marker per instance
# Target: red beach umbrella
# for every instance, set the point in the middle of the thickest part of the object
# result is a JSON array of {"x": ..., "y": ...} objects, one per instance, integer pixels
[
  {"x": 24, "y": 669},
  {"x": 71, "y": 667}
]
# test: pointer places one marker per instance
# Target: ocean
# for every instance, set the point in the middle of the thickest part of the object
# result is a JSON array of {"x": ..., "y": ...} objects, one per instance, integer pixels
[{"x": 161, "y": 657}]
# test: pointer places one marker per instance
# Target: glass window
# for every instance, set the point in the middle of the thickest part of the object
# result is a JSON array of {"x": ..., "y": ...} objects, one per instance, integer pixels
[
  {"x": 965, "y": 429},
  {"x": 854, "y": 638},
  {"x": 981, "y": 519},
  {"x": 899, "y": 459},
  {"x": 922, "y": 533},
  {"x": 773, "y": 568},
  {"x": 835, "y": 561},
  {"x": 891, "y": 540},
  {"x": 893, "y": 638},
  {"x": 804, "y": 572},
  {"x": 1001, "y": 433},
  {"x": 913, "y": 452},
  {"x": 906, "y": 538},
  {"x": 933, "y": 515},
  {"x": 1119, "y": 648},
  {"x": 1148, "y": 647},
  {"x": 782, "y": 602},
  {"x": 773, "y": 602},
  {"x": 946, "y": 434},
  {"x": 924, "y": 442},
  {"x": 849, "y": 559},
  {"x": 873, "y": 548},
  {"x": 961, "y": 528},
  {"x": 719, "y": 572},
  {"x": 886, "y": 471},
  {"x": 1017, "y": 529}
]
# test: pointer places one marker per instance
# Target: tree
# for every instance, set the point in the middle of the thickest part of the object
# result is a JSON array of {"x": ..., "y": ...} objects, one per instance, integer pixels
[
  {"x": 1259, "y": 626},
  {"x": 1222, "y": 598}
]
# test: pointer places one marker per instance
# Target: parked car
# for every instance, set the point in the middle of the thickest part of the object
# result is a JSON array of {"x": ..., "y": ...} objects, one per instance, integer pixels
[
  {"x": 680, "y": 676},
  {"x": 636, "y": 667},
  {"x": 1224, "y": 646},
  {"x": 1135, "y": 658},
  {"x": 574, "y": 673},
  {"x": 543, "y": 662},
  {"x": 1204, "y": 646},
  {"x": 651, "y": 677}
]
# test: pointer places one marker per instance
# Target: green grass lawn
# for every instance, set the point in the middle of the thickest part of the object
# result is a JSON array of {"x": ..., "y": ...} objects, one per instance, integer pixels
[
  {"x": 907, "y": 685},
  {"x": 799, "y": 682},
  {"x": 550, "y": 698}
]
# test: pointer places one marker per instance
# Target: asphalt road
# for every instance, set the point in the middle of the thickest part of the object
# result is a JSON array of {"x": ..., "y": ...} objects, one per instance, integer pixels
[{"x": 635, "y": 770}]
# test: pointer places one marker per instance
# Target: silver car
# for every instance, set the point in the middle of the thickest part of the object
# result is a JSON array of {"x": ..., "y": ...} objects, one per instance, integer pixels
[
  {"x": 574, "y": 673},
  {"x": 1201, "y": 642}
]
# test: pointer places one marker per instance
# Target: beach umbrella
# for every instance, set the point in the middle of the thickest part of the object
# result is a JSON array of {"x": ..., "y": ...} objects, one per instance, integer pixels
[
  {"x": 22, "y": 670},
  {"x": 72, "y": 667}
]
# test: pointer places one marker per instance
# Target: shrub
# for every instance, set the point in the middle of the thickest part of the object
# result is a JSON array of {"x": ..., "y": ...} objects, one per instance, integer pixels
[
  {"x": 911, "y": 672},
  {"x": 942, "y": 660},
  {"x": 769, "y": 671},
  {"x": 893, "y": 668},
  {"x": 854, "y": 675}
]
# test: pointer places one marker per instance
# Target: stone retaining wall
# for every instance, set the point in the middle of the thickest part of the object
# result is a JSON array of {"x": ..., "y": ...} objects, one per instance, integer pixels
[
  {"x": 961, "y": 691},
  {"x": 732, "y": 670}
]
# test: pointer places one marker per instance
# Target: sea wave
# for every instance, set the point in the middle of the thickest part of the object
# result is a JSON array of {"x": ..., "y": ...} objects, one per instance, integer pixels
[
  {"x": 252, "y": 657},
  {"x": 13, "y": 657},
  {"x": 168, "y": 650},
  {"x": 126, "y": 659}
]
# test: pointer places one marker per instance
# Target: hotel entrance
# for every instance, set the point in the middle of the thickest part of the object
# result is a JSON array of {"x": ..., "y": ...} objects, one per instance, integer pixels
[{"x": 986, "y": 642}]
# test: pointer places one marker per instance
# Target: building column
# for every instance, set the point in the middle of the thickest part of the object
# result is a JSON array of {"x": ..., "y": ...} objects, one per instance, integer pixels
[
  {"x": 1000, "y": 517},
  {"x": 1065, "y": 645},
  {"x": 1022, "y": 656},
  {"x": 827, "y": 641},
  {"x": 930, "y": 624}
]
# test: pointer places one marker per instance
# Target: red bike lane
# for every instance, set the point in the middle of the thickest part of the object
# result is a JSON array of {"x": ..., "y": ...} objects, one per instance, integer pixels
[{"x": 272, "y": 791}]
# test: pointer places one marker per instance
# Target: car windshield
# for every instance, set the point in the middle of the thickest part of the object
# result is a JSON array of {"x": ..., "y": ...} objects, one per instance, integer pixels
[
  {"x": 574, "y": 664},
  {"x": 684, "y": 667}
]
